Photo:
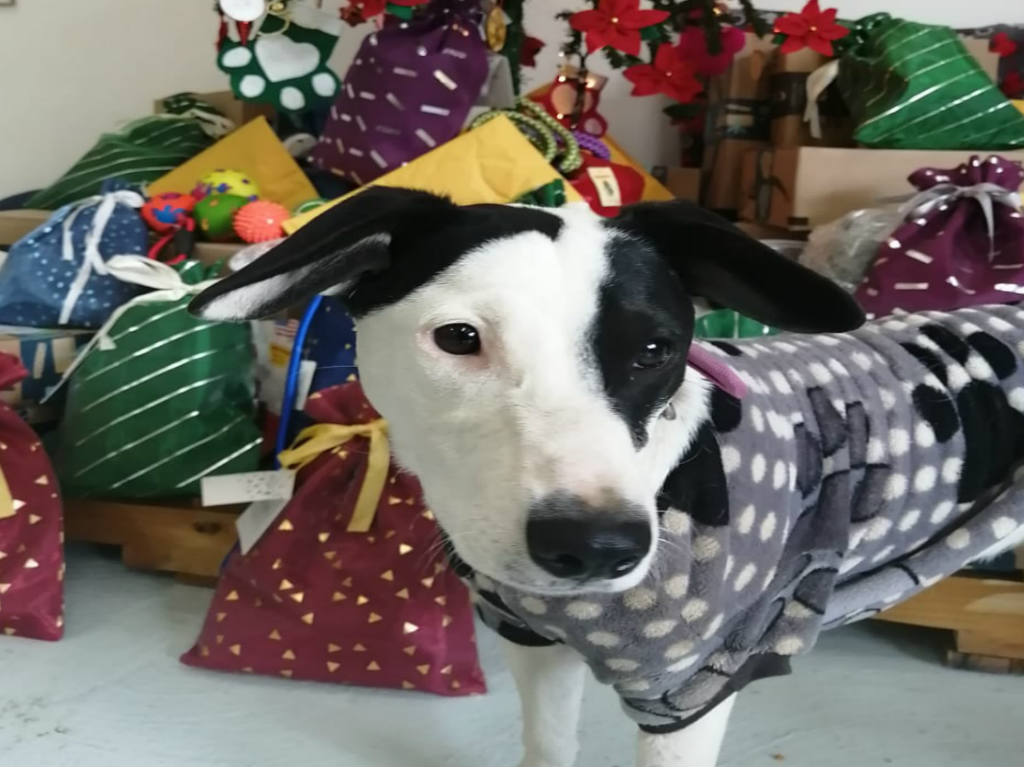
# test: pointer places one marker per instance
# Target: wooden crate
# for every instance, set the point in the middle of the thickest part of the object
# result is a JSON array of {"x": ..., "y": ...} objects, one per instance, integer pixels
[
  {"x": 985, "y": 614},
  {"x": 182, "y": 538}
]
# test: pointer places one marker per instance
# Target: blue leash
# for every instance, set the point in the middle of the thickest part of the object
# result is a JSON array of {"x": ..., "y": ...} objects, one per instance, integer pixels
[{"x": 291, "y": 386}]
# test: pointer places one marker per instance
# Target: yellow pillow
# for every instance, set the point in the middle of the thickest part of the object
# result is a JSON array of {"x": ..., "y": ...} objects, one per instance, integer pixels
[
  {"x": 492, "y": 163},
  {"x": 253, "y": 149}
]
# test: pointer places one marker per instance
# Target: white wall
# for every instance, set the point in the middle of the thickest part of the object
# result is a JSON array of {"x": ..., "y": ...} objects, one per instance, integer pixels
[{"x": 70, "y": 69}]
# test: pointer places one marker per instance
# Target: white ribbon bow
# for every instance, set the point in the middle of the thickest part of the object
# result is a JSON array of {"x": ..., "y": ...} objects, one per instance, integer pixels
[
  {"x": 167, "y": 287},
  {"x": 92, "y": 259},
  {"x": 817, "y": 82}
]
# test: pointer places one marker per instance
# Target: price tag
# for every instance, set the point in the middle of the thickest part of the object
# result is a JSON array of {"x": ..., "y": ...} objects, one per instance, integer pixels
[
  {"x": 247, "y": 487},
  {"x": 254, "y": 521},
  {"x": 607, "y": 186}
]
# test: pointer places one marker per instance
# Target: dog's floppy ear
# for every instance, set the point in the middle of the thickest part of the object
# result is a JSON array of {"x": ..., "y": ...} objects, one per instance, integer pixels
[
  {"x": 716, "y": 260},
  {"x": 330, "y": 253}
]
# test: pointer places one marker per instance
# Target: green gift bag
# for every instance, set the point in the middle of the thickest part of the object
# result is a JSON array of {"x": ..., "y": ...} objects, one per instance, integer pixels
[
  {"x": 725, "y": 323},
  {"x": 142, "y": 151},
  {"x": 159, "y": 399},
  {"x": 915, "y": 86}
]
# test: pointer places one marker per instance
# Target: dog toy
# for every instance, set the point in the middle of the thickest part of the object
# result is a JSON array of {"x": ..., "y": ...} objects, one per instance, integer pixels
[
  {"x": 164, "y": 212},
  {"x": 260, "y": 220},
  {"x": 215, "y": 215},
  {"x": 222, "y": 181}
]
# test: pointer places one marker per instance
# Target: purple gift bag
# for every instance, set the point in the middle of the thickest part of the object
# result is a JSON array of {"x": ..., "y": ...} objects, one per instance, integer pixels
[
  {"x": 960, "y": 244},
  {"x": 408, "y": 90}
]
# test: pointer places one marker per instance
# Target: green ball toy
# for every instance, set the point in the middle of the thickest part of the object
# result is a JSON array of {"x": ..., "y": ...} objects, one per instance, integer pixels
[{"x": 214, "y": 215}]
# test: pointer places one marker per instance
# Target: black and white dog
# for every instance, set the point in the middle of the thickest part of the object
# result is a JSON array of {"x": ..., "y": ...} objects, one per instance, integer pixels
[{"x": 608, "y": 487}]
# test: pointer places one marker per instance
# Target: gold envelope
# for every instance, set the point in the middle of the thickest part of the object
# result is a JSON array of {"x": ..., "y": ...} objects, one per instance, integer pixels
[
  {"x": 492, "y": 163},
  {"x": 253, "y": 149}
]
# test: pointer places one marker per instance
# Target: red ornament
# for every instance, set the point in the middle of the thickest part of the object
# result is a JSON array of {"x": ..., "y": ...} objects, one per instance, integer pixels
[
  {"x": 1013, "y": 85},
  {"x": 260, "y": 220},
  {"x": 616, "y": 23},
  {"x": 528, "y": 53},
  {"x": 669, "y": 74},
  {"x": 693, "y": 46},
  {"x": 811, "y": 28},
  {"x": 1002, "y": 44}
]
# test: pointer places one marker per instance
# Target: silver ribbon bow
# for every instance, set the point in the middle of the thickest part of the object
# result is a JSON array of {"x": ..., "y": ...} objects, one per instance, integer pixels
[{"x": 940, "y": 196}]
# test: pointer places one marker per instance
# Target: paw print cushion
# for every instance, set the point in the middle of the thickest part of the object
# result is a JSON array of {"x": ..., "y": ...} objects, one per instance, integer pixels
[
  {"x": 286, "y": 64},
  {"x": 31, "y": 554}
]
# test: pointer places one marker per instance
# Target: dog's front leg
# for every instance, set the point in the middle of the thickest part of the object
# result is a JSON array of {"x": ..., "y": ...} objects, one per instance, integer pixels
[
  {"x": 694, "y": 746},
  {"x": 550, "y": 684}
]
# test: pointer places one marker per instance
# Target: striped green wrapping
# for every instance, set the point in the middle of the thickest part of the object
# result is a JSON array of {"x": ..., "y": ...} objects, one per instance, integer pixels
[
  {"x": 143, "y": 151},
  {"x": 170, "y": 403},
  {"x": 726, "y": 323},
  {"x": 915, "y": 86}
]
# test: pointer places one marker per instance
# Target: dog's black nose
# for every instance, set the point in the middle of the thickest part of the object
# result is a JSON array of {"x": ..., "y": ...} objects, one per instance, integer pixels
[{"x": 575, "y": 540}]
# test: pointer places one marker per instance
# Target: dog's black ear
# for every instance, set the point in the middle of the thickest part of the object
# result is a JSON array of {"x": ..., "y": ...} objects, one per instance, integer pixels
[
  {"x": 329, "y": 254},
  {"x": 719, "y": 262}
]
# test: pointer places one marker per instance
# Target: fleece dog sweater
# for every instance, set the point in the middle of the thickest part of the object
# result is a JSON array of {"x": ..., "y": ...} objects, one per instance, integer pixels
[{"x": 858, "y": 469}]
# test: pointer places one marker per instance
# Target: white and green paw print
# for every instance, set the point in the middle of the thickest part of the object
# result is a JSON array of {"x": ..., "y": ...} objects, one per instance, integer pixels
[{"x": 286, "y": 64}]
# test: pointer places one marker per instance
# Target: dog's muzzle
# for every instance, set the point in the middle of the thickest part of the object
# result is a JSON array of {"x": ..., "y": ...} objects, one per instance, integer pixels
[{"x": 570, "y": 538}]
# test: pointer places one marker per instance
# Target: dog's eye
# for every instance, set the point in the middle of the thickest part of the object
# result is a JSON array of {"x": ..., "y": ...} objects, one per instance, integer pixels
[
  {"x": 457, "y": 338},
  {"x": 655, "y": 353}
]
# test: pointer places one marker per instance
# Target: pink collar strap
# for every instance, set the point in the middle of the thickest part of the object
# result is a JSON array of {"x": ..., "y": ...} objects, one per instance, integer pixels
[{"x": 714, "y": 369}]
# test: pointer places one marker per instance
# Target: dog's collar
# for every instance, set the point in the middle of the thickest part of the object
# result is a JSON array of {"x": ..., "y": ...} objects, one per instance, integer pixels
[{"x": 716, "y": 371}]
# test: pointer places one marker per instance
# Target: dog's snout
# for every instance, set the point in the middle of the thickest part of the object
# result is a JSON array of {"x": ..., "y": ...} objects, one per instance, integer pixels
[{"x": 571, "y": 539}]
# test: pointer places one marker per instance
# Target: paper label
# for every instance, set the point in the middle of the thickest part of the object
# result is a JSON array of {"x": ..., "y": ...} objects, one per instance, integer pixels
[
  {"x": 607, "y": 186},
  {"x": 497, "y": 91},
  {"x": 254, "y": 521},
  {"x": 247, "y": 486}
]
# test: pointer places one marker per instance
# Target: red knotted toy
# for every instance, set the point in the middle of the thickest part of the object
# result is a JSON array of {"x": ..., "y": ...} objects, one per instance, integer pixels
[
  {"x": 31, "y": 555},
  {"x": 349, "y": 584}
]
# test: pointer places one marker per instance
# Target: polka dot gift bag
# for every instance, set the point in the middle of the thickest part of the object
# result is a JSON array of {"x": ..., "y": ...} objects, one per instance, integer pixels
[
  {"x": 349, "y": 584},
  {"x": 31, "y": 554},
  {"x": 56, "y": 275},
  {"x": 960, "y": 244}
]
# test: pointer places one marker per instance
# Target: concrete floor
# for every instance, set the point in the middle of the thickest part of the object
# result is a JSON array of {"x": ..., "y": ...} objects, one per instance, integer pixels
[{"x": 113, "y": 693}]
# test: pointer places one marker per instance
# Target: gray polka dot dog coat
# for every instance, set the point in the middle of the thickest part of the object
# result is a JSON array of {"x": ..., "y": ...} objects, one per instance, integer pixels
[{"x": 857, "y": 470}]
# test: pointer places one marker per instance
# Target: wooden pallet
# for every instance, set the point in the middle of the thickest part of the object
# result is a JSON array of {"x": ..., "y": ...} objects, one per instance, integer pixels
[
  {"x": 985, "y": 614},
  {"x": 177, "y": 537}
]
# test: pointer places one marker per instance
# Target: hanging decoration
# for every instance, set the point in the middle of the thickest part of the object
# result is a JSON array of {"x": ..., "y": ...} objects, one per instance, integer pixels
[{"x": 281, "y": 57}]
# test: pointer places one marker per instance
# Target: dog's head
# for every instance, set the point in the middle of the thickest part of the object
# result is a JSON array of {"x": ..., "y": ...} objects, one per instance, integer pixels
[{"x": 523, "y": 357}]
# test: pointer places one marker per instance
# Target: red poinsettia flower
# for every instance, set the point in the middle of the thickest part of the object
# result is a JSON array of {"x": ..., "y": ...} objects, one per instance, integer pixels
[
  {"x": 616, "y": 23},
  {"x": 529, "y": 50},
  {"x": 1002, "y": 44},
  {"x": 670, "y": 74},
  {"x": 811, "y": 28},
  {"x": 693, "y": 46},
  {"x": 1013, "y": 85}
]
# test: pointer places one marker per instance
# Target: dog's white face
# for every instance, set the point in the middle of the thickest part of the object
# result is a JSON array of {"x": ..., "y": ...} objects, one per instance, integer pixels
[{"x": 523, "y": 359}]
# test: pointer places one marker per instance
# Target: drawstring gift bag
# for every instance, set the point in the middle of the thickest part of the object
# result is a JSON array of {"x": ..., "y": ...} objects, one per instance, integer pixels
[
  {"x": 57, "y": 276},
  {"x": 409, "y": 89},
  {"x": 349, "y": 584},
  {"x": 960, "y": 242},
  {"x": 31, "y": 554},
  {"x": 159, "y": 399}
]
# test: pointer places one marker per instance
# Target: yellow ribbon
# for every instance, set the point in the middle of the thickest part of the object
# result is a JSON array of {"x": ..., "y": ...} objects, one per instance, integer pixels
[{"x": 314, "y": 440}]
